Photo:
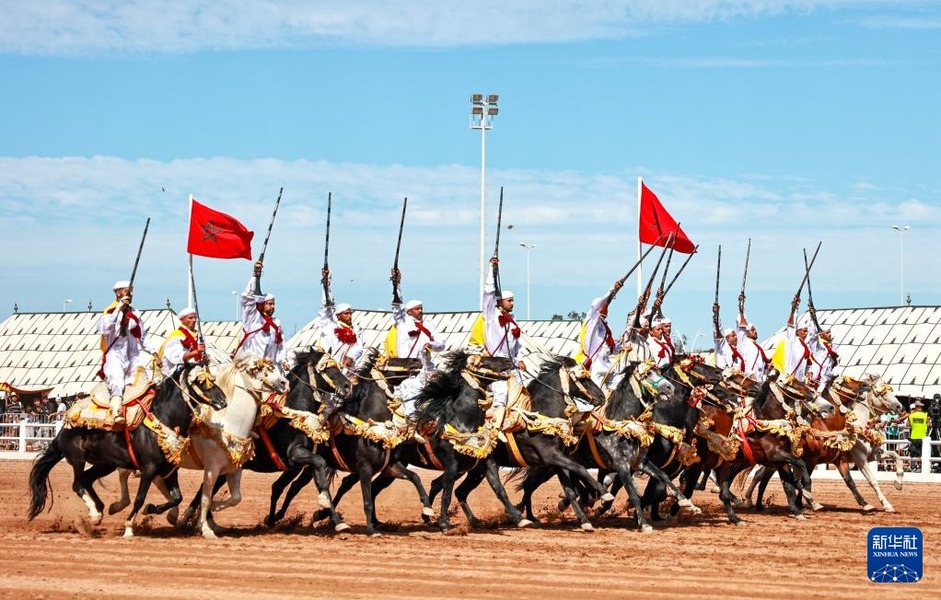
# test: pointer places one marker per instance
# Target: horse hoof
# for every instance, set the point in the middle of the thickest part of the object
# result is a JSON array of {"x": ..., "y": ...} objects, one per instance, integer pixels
[
  {"x": 114, "y": 507},
  {"x": 889, "y": 508},
  {"x": 898, "y": 485},
  {"x": 374, "y": 534},
  {"x": 96, "y": 519},
  {"x": 684, "y": 503},
  {"x": 608, "y": 497},
  {"x": 817, "y": 506},
  {"x": 323, "y": 500},
  {"x": 740, "y": 523},
  {"x": 800, "y": 516},
  {"x": 209, "y": 534},
  {"x": 524, "y": 523},
  {"x": 869, "y": 508},
  {"x": 341, "y": 527},
  {"x": 563, "y": 504},
  {"x": 694, "y": 510},
  {"x": 647, "y": 529},
  {"x": 426, "y": 511},
  {"x": 587, "y": 527},
  {"x": 128, "y": 532}
]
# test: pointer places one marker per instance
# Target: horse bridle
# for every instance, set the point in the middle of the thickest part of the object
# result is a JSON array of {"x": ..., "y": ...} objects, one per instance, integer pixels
[{"x": 189, "y": 390}]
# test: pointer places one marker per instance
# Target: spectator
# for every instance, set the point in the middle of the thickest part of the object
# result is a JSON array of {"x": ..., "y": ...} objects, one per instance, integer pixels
[{"x": 917, "y": 420}]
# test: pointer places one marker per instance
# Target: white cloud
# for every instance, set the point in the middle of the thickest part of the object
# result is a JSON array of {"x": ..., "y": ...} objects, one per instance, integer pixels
[{"x": 101, "y": 26}]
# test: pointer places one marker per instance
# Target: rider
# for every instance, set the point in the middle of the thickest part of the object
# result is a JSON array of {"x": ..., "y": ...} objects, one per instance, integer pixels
[
  {"x": 338, "y": 335},
  {"x": 123, "y": 336},
  {"x": 181, "y": 346},
  {"x": 797, "y": 356},
  {"x": 415, "y": 337},
  {"x": 726, "y": 345},
  {"x": 756, "y": 360},
  {"x": 498, "y": 336},
  {"x": 262, "y": 333},
  {"x": 822, "y": 353},
  {"x": 597, "y": 344},
  {"x": 659, "y": 342}
]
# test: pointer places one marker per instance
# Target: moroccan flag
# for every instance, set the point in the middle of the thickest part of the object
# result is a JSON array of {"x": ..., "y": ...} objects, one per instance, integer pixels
[
  {"x": 656, "y": 224},
  {"x": 217, "y": 235}
]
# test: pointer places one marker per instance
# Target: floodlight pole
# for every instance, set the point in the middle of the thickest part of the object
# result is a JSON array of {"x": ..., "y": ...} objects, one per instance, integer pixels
[
  {"x": 901, "y": 231},
  {"x": 483, "y": 110}
]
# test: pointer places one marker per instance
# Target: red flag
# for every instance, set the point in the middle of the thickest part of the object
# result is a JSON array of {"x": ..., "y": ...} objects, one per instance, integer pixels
[
  {"x": 656, "y": 224},
  {"x": 217, "y": 235}
]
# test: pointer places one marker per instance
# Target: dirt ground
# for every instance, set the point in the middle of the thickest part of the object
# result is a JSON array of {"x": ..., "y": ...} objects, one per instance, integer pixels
[{"x": 59, "y": 555}]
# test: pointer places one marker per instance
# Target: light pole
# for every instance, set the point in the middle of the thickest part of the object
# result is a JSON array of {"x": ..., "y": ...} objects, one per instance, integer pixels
[
  {"x": 901, "y": 231},
  {"x": 481, "y": 117},
  {"x": 527, "y": 247},
  {"x": 65, "y": 304},
  {"x": 238, "y": 305}
]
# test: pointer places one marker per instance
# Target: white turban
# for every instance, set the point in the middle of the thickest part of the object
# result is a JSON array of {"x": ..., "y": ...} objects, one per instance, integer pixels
[
  {"x": 124, "y": 283},
  {"x": 727, "y": 332},
  {"x": 268, "y": 297},
  {"x": 506, "y": 295},
  {"x": 189, "y": 310},
  {"x": 412, "y": 304},
  {"x": 341, "y": 308}
]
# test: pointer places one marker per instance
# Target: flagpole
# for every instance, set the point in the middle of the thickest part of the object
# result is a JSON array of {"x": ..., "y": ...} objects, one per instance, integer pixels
[
  {"x": 189, "y": 279},
  {"x": 639, "y": 266}
]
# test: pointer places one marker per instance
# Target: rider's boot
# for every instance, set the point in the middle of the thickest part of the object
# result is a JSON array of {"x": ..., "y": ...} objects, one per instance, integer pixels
[{"x": 117, "y": 415}]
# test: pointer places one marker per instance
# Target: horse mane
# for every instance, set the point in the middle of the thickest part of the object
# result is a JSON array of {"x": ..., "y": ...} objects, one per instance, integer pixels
[
  {"x": 303, "y": 357},
  {"x": 554, "y": 363},
  {"x": 225, "y": 379},
  {"x": 434, "y": 401},
  {"x": 366, "y": 362},
  {"x": 616, "y": 408}
]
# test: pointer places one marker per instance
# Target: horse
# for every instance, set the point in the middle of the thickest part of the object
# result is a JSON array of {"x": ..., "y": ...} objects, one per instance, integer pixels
[
  {"x": 620, "y": 440},
  {"x": 773, "y": 440},
  {"x": 172, "y": 410},
  {"x": 221, "y": 441},
  {"x": 552, "y": 392},
  {"x": 866, "y": 399},
  {"x": 289, "y": 444},
  {"x": 363, "y": 442}
]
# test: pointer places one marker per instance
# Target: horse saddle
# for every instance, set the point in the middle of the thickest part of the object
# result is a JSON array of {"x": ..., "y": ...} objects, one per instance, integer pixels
[
  {"x": 518, "y": 403},
  {"x": 270, "y": 410},
  {"x": 92, "y": 413}
]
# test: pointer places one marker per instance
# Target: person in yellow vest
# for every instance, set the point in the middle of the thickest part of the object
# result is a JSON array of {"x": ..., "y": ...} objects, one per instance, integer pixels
[
  {"x": 917, "y": 420},
  {"x": 123, "y": 337},
  {"x": 497, "y": 334},
  {"x": 181, "y": 346},
  {"x": 338, "y": 335},
  {"x": 598, "y": 346}
]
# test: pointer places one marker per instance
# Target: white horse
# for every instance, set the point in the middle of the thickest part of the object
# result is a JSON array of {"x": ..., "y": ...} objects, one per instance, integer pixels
[
  {"x": 877, "y": 400},
  {"x": 221, "y": 439}
]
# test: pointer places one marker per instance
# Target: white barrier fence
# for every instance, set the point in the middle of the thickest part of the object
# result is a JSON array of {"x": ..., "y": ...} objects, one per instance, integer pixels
[{"x": 24, "y": 436}]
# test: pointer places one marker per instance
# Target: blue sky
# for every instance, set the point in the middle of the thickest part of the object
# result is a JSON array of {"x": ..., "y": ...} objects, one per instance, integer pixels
[{"x": 785, "y": 122}]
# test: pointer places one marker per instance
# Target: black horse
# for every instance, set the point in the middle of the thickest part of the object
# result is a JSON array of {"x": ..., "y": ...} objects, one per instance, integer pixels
[
  {"x": 450, "y": 415},
  {"x": 172, "y": 408},
  {"x": 622, "y": 444},
  {"x": 552, "y": 391},
  {"x": 355, "y": 452}
]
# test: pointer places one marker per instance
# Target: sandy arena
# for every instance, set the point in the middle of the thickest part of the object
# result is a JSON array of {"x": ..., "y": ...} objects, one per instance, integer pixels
[{"x": 59, "y": 555}]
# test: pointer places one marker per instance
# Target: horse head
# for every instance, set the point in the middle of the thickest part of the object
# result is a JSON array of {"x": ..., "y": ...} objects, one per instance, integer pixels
[
  {"x": 198, "y": 385},
  {"x": 881, "y": 396},
  {"x": 326, "y": 374},
  {"x": 258, "y": 376},
  {"x": 456, "y": 392},
  {"x": 560, "y": 382}
]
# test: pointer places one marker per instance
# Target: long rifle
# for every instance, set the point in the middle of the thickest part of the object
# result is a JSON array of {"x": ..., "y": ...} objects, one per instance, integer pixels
[
  {"x": 645, "y": 295},
  {"x": 741, "y": 294},
  {"x": 325, "y": 280},
  {"x": 660, "y": 291},
  {"x": 810, "y": 295},
  {"x": 395, "y": 263},
  {"x": 496, "y": 248},
  {"x": 715, "y": 303},
  {"x": 130, "y": 287},
  {"x": 637, "y": 264},
  {"x": 807, "y": 271},
  {"x": 261, "y": 257},
  {"x": 683, "y": 266}
]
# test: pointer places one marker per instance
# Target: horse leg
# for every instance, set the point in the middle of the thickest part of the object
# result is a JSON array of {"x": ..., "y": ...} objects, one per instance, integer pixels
[
  {"x": 83, "y": 485},
  {"x": 449, "y": 462},
  {"x": 399, "y": 471},
  {"x": 277, "y": 488},
  {"x": 792, "y": 487},
  {"x": 492, "y": 473},
  {"x": 535, "y": 477},
  {"x": 234, "y": 480},
  {"x": 125, "y": 500},
  {"x": 365, "y": 471},
  {"x": 725, "y": 474},
  {"x": 147, "y": 475},
  {"x": 316, "y": 464},
  {"x": 169, "y": 486},
  {"x": 346, "y": 484},
  {"x": 656, "y": 474},
  {"x": 205, "y": 501},
  {"x": 863, "y": 466},
  {"x": 472, "y": 479},
  {"x": 435, "y": 488},
  {"x": 761, "y": 478},
  {"x": 566, "y": 480}
]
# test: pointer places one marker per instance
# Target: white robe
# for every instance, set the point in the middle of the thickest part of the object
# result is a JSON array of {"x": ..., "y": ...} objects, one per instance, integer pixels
[
  {"x": 123, "y": 353},
  {"x": 328, "y": 324},
  {"x": 259, "y": 341}
]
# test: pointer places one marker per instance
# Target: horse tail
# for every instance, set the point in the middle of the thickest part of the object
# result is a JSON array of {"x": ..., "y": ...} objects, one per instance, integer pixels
[
  {"x": 39, "y": 485},
  {"x": 738, "y": 484}
]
